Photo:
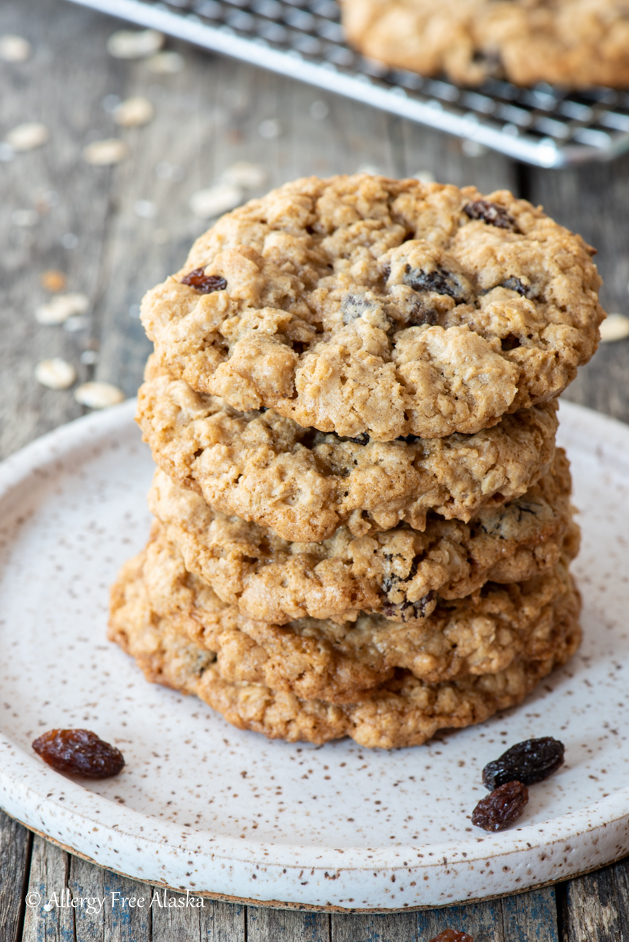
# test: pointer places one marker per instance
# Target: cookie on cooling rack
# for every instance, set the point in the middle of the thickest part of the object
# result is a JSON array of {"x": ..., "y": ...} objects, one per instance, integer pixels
[
  {"x": 573, "y": 43},
  {"x": 384, "y": 308}
]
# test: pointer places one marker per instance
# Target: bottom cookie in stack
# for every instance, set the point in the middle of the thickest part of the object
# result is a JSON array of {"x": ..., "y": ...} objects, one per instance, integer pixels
[{"x": 383, "y": 683}]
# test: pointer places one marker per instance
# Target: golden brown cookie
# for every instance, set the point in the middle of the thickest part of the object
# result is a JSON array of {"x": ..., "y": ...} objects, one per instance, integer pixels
[
  {"x": 305, "y": 484},
  {"x": 399, "y": 572},
  {"x": 342, "y": 661},
  {"x": 374, "y": 307},
  {"x": 403, "y": 711},
  {"x": 575, "y": 43}
]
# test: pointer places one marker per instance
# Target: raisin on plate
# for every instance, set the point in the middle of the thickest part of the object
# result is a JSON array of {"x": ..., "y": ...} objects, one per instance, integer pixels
[
  {"x": 452, "y": 935},
  {"x": 79, "y": 752},
  {"x": 501, "y": 808},
  {"x": 527, "y": 762}
]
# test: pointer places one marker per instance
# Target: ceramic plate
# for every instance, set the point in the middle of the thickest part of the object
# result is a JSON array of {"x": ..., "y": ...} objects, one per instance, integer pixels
[{"x": 203, "y": 806}]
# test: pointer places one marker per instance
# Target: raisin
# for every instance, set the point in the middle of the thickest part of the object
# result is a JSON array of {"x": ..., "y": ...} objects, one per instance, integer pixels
[
  {"x": 419, "y": 316},
  {"x": 79, "y": 752},
  {"x": 406, "y": 610},
  {"x": 439, "y": 280},
  {"x": 452, "y": 935},
  {"x": 204, "y": 284},
  {"x": 491, "y": 60},
  {"x": 354, "y": 306},
  {"x": 500, "y": 808},
  {"x": 514, "y": 284},
  {"x": 491, "y": 213},
  {"x": 529, "y": 762}
]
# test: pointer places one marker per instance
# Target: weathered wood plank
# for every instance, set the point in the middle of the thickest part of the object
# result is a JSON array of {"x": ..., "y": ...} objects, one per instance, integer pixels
[
  {"x": 594, "y": 201},
  {"x": 596, "y": 906},
  {"x": 108, "y": 906},
  {"x": 483, "y": 921},
  {"x": 61, "y": 87},
  {"x": 223, "y": 922},
  {"x": 399, "y": 927},
  {"x": 276, "y": 925},
  {"x": 47, "y": 918},
  {"x": 530, "y": 917},
  {"x": 15, "y": 851},
  {"x": 171, "y": 921},
  {"x": 445, "y": 158}
]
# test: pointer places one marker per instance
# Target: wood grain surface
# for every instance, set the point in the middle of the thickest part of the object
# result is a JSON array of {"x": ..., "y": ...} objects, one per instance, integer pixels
[{"x": 88, "y": 226}]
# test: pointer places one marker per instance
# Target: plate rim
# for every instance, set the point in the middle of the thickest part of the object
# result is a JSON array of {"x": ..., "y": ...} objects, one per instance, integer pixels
[{"x": 460, "y": 855}]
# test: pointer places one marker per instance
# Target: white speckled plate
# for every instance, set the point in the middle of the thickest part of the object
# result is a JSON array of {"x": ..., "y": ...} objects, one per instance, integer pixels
[{"x": 201, "y": 805}]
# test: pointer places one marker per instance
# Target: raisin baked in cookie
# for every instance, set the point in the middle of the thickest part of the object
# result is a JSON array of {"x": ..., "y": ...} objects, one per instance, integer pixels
[
  {"x": 400, "y": 573},
  {"x": 574, "y": 43},
  {"x": 367, "y": 306}
]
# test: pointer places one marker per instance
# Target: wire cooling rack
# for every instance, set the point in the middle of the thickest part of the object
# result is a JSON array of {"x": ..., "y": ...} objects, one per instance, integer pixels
[{"x": 545, "y": 126}]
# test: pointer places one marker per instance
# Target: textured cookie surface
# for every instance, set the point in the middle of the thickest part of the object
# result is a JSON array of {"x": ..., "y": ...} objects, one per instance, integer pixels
[
  {"x": 578, "y": 43},
  {"x": 400, "y": 572},
  {"x": 342, "y": 661},
  {"x": 403, "y": 711},
  {"x": 305, "y": 485},
  {"x": 369, "y": 306}
]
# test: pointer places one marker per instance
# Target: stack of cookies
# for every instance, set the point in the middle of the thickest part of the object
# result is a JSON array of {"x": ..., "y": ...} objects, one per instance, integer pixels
[{"x": 362, "y": 524}]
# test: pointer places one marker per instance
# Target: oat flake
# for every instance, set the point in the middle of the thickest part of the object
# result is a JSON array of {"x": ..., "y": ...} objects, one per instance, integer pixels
[
  {"x": 246, "y": 175},
  {"x": 24, "y": 217},
  {"x": 269, "y": 129},
  {"x": 27, "y": 136},
  {"x": 367, "y": 168},
  {"x": 76, "y": 322},
  {"x": 616, "y": 327},
  {"x": 145, "y": 209},
  {"x": 166, "y": 63},
  {"x": 104, "y": 153},
  {"x": 424, "y": 176},
  {"x": 14, "y": 48},
  {"x": 55, "y": 373},
  {"x": 134, "y": 44},
  {"x": 98, "y": 395},
  {"x": 216, "y": 200},
  {"x": 59, "y": 309},
  {"x": 133, "y": 112}
]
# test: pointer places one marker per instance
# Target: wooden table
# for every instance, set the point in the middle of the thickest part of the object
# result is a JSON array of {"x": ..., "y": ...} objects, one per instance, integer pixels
[{"x": 92, "y": 225}]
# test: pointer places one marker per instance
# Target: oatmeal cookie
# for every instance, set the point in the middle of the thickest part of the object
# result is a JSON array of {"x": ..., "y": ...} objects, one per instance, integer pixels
[
  {"x": 398, "y": 572},
  {"x": 305, "y": 484},
  {"x": 374, "y": 307},
  {"x": 403, "y": 711},
  {"x": 342, "y": 661},
  {"x": 574, "y": 43}
]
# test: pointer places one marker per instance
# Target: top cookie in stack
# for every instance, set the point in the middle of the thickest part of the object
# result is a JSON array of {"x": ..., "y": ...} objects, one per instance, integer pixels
[
  {"x": 357, "y": 377},
  {"x": 383, "y": 308}
]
